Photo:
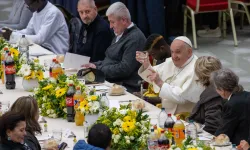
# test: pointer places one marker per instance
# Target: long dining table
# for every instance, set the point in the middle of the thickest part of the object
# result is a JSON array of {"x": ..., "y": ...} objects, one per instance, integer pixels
[{"x": 8, "y": 97}]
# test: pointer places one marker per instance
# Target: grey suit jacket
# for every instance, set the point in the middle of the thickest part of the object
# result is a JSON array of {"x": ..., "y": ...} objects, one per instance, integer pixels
[{"x": 19, "y": 17}]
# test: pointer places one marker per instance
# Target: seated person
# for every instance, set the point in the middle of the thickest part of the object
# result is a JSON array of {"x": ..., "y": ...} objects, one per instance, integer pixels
[
  {"x": 47, "y": 27},
  {"x": 28, "y": 107},
  {"x": 158, "y": 48},
  {"x": 99, "y": 138},
  {"x": 12, "y": 127},
  {"x": 19, "y": 16},
  {"x": 95, "y": 36},
  {"x": 235, "y": 113},
  {"x": 209, "y": 108},
  {"x": 175, "y": 79},
  {"x": 120, "y": 65}
]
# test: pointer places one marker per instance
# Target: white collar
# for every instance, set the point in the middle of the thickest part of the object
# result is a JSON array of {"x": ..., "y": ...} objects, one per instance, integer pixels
[
  {"x": 188, "y": 61},
  {"x": 119, "y": 36}
]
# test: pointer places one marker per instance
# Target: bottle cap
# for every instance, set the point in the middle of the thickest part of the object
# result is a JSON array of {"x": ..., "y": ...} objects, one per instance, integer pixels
[
  {"x": 45, "y": 121},
  {"x": 152, "y": 130},
  {"x": 169, "y": 115},
  {"x": 178, "y": 118},
  {"x": 155, "y": 127},
  {"x": 54, "y": 59},
  {"x": 191, "y": 121},
  {"x": 23, "y": 36},
  {"x": 78, "y": 88},
  {"x": 70, "y": 84},
  {"x": 162, "y": 108},
  {"x": 6, "y": 48},
  {"x": 234, "y": 145},
  {"x": 162, "y": 131}
]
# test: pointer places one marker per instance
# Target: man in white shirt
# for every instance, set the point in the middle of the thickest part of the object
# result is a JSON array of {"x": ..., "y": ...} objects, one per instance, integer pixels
[
  {"x": 175, "y": 79},
  {"x": 47, "y": 27}
]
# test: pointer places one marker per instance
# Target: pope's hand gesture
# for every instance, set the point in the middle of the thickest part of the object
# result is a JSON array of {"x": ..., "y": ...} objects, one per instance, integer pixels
[{"x": 154, "y": 77}]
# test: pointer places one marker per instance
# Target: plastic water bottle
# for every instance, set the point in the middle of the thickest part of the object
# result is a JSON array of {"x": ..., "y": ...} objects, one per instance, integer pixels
[
  {"x": 104, "y": 100},
  {"x": 153, "y": 141},
  {"x": 23, "y": 46},
  {"x": 191, "y": 130},
  {"x": 162, "y": 118}
]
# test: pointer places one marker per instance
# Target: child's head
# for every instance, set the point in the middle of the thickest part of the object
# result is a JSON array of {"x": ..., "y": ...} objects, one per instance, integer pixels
[{"x": 100, "y": 136}]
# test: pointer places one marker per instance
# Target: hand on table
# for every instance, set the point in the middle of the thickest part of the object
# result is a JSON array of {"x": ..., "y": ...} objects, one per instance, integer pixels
[
  {"x": 6, "y": 32},
  {"x": 90, "y": 65},
  {"x": 244, "y": 145},
  {"x": 143, "y": 58},
  {"x": 154, "y": 77}
]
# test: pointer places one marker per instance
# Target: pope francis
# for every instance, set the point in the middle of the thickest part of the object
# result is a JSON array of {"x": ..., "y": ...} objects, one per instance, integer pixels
[{"x": 175, "y": 79}]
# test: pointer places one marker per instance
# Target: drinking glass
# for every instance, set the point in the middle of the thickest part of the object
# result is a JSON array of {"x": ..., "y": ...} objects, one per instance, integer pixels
[
  {"x": 57, "y": 134},
  {"x": 143, "y": 54}
]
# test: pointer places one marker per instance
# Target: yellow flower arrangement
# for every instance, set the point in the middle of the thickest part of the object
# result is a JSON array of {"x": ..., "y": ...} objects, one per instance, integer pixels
[
  {"x": 32, "y": 70},
  {"x": 130, "y": 129},
  {"x": 60, "y": 92},
  {"x": 51, "y": 95}
]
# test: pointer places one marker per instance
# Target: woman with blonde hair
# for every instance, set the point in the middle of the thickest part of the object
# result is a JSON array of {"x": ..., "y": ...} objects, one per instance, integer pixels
[
  {"x": 208, "y": 109},
  {"x": 27, "y": 106}
]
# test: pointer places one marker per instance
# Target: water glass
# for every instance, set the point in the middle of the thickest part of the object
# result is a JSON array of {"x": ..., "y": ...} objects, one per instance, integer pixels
[
  {"x": 57, "y": 134},
  {"x": 143, "y": 54}
]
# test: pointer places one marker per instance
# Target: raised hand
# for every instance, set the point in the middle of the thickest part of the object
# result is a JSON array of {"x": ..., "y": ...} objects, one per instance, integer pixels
[
  {"x": 143, "y": 58},
  {"x": 154, "y": 77}
]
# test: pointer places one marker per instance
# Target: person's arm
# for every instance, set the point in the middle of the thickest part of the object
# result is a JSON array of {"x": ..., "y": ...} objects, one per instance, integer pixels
[
  {"x": 213, "y": 111},
  {"x": 101, "y": 42},
  {"x": 24, "y": 20},
  {"x": 47, "y": 30},
  {"x": 126, "y": 66},
  {"x": 229, "y": 122}
]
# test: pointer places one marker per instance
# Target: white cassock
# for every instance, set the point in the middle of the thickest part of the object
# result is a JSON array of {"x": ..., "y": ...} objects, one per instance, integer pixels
[
  {"x": 47, "y": 28},
  {"x": 180, "y": 90}
]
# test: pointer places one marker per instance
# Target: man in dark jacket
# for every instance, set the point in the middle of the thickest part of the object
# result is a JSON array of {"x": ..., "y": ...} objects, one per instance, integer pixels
[
  {"x": 120, "y": 65},
  {"x": 95, "y": 35}
]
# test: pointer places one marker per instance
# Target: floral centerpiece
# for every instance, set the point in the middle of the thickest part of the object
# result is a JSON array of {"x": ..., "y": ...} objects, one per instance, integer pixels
[
  {"x": 130, "y": 128},
  {"x": 188, "y": 144},
  {"x": 90, "y": 105},
  {"x": 32, "y": 72},
  {"x": 51, "y": 95}
]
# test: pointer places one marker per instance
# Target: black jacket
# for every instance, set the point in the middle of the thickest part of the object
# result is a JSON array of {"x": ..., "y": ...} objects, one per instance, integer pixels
[
  {"x": 9, "y": 145},
  {"x": 120, "y": 65},
  {"x": 208, "y": 110},
  {"x": 32, "y": 141},
  {"x": 235, "y": 118},
  {"x": 98, "y": 38}
]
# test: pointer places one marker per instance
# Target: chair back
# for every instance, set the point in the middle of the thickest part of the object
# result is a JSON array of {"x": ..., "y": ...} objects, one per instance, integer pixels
[
  {"x": 67, "y": 15},
  {"x": 75, "y": 26},
  {"x": 200, "y": 3}
]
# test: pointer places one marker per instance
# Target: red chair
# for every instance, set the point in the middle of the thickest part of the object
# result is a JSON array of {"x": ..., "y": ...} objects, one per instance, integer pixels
[
  {"x": 206, "y": 6},
  {"x": 244, "y": 10}
]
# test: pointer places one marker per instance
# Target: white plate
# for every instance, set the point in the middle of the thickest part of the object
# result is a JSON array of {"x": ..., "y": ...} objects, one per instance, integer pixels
[{"x": 222, "y": 145}]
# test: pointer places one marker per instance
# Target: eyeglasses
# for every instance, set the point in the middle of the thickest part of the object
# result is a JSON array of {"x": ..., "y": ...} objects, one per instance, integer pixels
[{"x": 84, "y": 40}]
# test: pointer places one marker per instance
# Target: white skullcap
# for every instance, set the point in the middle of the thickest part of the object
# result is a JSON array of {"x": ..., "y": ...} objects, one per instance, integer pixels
[{"x": 184, "y": 39}]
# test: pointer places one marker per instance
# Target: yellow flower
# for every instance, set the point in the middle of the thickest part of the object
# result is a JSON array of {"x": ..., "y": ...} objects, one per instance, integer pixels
[
  {"x": 39, "y": 75},
  {"x": 192, "y": 148},
  {"x": 36, "y": 60},
  {"x": 14, "y": 52},
  {"x": 60, "y": 92},
  {"x": 48, "y": 87},
  {"x": 31, "y": 76},
  {"x": 84, "y": 104},
  {"x": 128, "y": 119},
  {"x": 116, "y": 131},
  {"x": 128, "y": 126},
  {"x": 93, "y": 97}
]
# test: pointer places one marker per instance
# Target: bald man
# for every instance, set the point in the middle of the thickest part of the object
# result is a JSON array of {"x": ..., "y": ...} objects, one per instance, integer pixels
[
  {"x": 95, "y": 35},
  {"x": 175, "y": 79}
]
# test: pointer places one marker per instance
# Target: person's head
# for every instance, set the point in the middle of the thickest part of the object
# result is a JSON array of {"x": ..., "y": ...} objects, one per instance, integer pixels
[
  {"x": 100, "y": 136},
  {"x": 119, "y": 17},
  {"x": 225, "y": 82},
  {"x": 34, "y": 5},
  {"x": 157, "y": 47},
  {"x": 27, "y": 106},
  {"x": 204, "y": 66},
  {"x": 87, "y": 10},
  {"x": 12, "y": 127},
  {"x": 181, "y": 50}
]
